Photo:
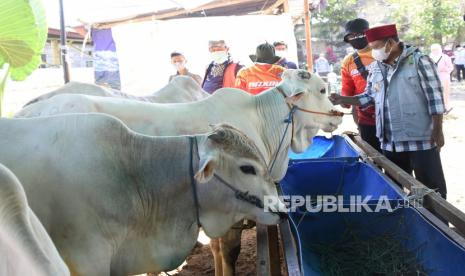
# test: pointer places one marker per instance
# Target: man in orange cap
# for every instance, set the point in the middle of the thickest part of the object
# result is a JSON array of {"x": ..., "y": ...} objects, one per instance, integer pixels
[{"x": 406, "y": 90}]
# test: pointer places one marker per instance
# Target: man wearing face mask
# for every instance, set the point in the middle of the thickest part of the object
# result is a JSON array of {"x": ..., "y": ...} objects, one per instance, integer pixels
[
  {"x": 405, "y": 87},
  {"x": 280, "y": 48},
  {"x": 179, "y": 63},
  {"x": 354, "y": 74},
  {"x": 222, "y": 71}
]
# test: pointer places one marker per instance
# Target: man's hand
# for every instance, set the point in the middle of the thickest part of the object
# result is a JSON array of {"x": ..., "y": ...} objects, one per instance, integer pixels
[
  {"x": 437, "y": 137},
  {"x": 335, "y": 98},
  {"x": 343, "y": 100}
]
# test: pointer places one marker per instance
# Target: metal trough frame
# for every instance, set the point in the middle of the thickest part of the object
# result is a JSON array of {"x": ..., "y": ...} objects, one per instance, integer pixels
[{"x": 268, "y": 243}]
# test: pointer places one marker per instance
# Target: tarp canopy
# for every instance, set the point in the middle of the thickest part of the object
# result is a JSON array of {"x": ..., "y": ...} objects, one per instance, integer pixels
[{"x": 92, "y": 11}]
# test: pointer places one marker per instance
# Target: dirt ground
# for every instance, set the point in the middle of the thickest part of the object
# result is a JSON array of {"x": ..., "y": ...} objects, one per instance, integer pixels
[{"x": 200, "y": 262}]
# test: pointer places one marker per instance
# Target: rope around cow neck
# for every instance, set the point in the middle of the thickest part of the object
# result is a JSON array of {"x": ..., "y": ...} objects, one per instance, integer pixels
[
  {"x": 192, "y": 141},
  {"x": 240, "y": 195},
  {"x": 290, "y": 120}
]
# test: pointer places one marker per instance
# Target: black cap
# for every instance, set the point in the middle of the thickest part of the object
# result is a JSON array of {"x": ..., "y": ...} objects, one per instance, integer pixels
[
  {"x": 265, "y": 54},
  {"x": 358, "y": 25}
]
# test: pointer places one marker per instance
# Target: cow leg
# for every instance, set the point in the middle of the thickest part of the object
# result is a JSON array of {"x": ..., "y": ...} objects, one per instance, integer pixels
[
  {"x": 230, "y": 247},
  {"x": 215, "y": 248}
]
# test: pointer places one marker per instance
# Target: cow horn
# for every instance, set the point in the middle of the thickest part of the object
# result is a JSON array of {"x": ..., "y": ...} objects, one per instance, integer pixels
[
  {"x": 305, "y": 75},
  {"x": 218, "y": 135}
]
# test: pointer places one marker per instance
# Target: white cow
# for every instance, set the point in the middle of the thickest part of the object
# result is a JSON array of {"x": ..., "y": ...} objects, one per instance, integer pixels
[
  {"x": 181, "y": 89},
  {"x": 25, "y": 247},
  {"x": 261, "y": 117},
  {"x": 116, "y": 202}
]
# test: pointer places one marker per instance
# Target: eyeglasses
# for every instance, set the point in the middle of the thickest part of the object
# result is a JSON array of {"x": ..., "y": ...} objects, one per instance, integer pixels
[{"x": 355, "y": 36}]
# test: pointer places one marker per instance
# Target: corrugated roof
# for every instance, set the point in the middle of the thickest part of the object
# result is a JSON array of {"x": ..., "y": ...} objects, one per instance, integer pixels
[
  {"x": 212, "y": 8},
  {"x": 55, "y": 33}
]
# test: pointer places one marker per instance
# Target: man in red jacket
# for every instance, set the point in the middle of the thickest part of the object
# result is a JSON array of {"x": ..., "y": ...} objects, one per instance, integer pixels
[{"x": 354, "y": 71}]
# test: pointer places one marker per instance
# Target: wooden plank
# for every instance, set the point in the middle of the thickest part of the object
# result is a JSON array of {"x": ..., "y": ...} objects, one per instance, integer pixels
[
  {"x": 444, "y": 228},
  {"x": 273, "y": 7},
  {"x": 286, "y": 6},
  {"x": 273, "y": 243},
  {"x": 263, "y": 249},
  {"x": 427, "y": 214},
  {"x": 438, "y": 204},
  {"x": 289, "y": 250},
  {"x": 289, "y": 246}
]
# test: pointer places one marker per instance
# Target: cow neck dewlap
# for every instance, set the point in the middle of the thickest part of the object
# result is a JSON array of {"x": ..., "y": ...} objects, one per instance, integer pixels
[
  {"x": 273, "y": 110},
  {"x": 152, "y": 162}
]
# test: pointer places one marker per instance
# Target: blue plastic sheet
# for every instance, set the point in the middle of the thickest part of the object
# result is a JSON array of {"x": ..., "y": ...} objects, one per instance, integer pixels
[
  {"x": 436, "y": 251},
  {"x": 332, "y": 148}
]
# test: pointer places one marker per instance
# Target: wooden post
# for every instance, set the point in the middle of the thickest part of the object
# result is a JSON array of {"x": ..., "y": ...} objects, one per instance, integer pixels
[
  {"x": 64, "y": 50},
  {"x": 263, "y": 249},
  {"x": 273, "y": 244},
  {"x": 308, "y": 37},
  {"x": 290, "y": 250},
  {"x": 55, "y": 51}
]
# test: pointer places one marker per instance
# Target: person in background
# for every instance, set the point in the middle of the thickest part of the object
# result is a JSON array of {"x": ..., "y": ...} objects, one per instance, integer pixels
[
  {"x": 179, "y": 63},
  {"x": 459, "y": 62},
  {"x": 408, "y": 125},
  {"x": 221, "y": 71},
  {"x": 322, "y": 67},
  {"x": 264, "y": 74},
  {"x": 354, "y": 75},
  {"x": 450, "y": 53},
  {"x": 280, "y": 48},
  {"x": 444, "y": 68}
]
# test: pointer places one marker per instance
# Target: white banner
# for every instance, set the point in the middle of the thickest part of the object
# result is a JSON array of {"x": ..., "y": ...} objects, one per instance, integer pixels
[{"x": 144, "y": 48}]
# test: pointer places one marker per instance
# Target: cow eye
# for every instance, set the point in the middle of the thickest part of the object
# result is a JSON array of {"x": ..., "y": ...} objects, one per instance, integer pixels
[
  {"x": 248, "y": 170},
  {"x": 323, "y": 91}
]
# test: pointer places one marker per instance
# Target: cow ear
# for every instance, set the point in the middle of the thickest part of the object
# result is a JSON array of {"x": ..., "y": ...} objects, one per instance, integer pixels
[
  {"x": 206, "y": 171},
  {"x": 294, "y": 98}
]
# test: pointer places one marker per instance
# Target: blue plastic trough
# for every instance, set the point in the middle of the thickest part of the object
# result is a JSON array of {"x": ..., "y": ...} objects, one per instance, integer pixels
[
  {"x": 326, "y": 148},
  {"x": 437, "y": 253}
]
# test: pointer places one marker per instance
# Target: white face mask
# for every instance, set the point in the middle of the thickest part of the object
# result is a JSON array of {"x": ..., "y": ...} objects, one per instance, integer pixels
[
  {"x": 380, "y": 54},
  {"x": 179, "y": 65},
  {"x": 281, "y": 53},
  {"x": 219, "y": 57}
]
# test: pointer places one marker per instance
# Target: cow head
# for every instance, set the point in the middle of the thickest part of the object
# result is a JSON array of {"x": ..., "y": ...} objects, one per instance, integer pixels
[
  {"x": 308, "y": 92},
  {"x": 230, "y": 155}
]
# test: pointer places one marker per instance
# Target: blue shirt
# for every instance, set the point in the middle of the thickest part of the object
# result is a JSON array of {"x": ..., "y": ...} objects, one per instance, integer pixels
[
  {"x": 287, "y": 64},
  {"x": 214, "y": 78}
]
